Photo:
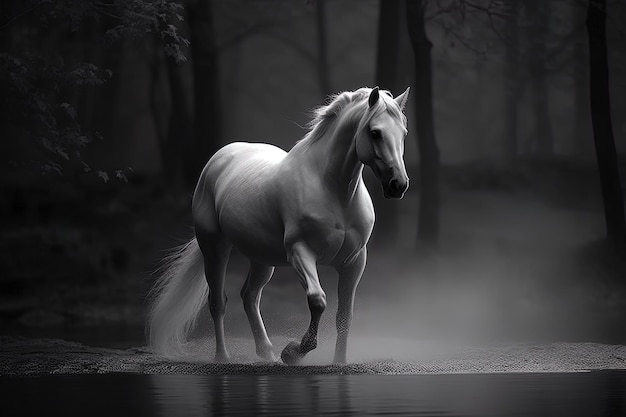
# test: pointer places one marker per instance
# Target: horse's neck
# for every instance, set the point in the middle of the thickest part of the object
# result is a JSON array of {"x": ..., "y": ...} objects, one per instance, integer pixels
[{"x": 335, "y": 158}]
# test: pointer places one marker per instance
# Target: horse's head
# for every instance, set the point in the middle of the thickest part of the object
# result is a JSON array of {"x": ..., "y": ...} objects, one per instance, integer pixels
[{"x": 380, "y": 141}]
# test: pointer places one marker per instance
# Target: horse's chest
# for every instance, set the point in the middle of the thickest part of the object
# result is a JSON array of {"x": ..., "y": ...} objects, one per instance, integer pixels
[{"x": 335, "y": 237}]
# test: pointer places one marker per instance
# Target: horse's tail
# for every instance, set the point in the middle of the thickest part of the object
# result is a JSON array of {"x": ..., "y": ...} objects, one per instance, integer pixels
[{"x": 176, "y": 300}]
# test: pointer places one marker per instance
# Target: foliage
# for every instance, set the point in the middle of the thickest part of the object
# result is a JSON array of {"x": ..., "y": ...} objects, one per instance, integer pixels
[
  {"x": 34, "y": 106},
  {"x": 44, "y": 68},
  {"x": 138, "y": 17}
]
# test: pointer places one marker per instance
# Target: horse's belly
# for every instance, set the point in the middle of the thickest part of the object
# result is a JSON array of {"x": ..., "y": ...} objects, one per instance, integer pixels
[
  {"x": 254, "y": 232},
  {"x": 261, "y": 248}
]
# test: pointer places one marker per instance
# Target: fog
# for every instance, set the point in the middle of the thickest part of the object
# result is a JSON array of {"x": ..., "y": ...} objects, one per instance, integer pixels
[{"x": 509, "y": 269}]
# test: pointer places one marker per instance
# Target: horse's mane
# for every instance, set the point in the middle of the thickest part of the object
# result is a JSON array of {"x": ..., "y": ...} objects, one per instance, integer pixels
[{"x": 324, "y": 115}]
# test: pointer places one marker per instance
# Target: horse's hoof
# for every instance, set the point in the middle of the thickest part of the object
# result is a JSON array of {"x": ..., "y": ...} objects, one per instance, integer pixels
[
  {"x": 292, "y": 354},
  {"x": 266, "y": 353},
  {"x": 222, "y": 358},
  {"x": 268, "y": 356}
]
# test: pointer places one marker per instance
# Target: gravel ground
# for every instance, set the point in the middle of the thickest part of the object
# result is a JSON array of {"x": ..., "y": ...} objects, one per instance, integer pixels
[{"x": 30, "y": 357}]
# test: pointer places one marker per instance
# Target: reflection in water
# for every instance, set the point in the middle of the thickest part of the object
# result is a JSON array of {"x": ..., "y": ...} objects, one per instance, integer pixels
[
  {"x": 214, "y": 395},
  {"x": 580, "y": 394},
  {"x": 616, "y": 392},
  {"x": 583, "y": 394},
  {"x": 263, "y": 394}
]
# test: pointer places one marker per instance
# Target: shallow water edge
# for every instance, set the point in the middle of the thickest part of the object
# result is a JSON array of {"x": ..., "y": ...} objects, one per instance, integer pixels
[{"x": 28, "y": 357}]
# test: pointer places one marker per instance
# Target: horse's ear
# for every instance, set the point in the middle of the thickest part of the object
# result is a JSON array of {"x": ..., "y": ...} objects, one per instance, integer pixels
[
  {"x": 373, "y": 96},
  {"x": 403, "y": 98}
]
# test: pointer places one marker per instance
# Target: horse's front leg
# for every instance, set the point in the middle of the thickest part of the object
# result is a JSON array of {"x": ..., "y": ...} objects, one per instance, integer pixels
[
  {"x": 304, "y": 261},
  {"x": 349, "y": 277}
]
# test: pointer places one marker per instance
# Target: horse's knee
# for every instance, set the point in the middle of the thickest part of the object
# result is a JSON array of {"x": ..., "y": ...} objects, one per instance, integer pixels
[
  {"x": 217, "y": 304},
  {"x": 248, "y": 299},
  {"x": 317, "y": 302}
]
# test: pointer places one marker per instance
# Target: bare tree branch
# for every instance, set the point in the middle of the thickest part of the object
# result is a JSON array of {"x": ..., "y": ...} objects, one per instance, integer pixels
[
  {"x": 24, "y": 13},
  {"x": 493, "y": 8}
]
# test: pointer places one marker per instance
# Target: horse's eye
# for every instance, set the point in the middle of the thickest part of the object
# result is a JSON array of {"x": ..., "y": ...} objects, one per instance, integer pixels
[{"x": 376, "y": 134}]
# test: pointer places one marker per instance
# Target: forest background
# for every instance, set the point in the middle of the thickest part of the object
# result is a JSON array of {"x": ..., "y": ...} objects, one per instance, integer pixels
[{"x": 511, "y": 228}]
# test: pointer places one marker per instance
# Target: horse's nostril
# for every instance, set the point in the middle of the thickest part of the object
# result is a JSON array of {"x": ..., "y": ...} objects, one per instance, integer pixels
[{"x": 395, "y": 188}]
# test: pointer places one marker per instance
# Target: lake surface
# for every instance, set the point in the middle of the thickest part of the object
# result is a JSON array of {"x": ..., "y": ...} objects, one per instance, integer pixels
[{"x": 601, "y": 393}]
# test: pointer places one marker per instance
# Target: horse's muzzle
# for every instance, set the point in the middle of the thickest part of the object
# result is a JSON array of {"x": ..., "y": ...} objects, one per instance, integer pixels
[{"x": 395, "y": 188}]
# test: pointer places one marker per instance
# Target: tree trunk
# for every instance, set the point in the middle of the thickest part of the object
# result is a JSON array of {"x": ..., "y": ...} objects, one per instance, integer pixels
[
  {"x": 207, "y": 98},
  {"x": 428, "y": 219},
  {"x": 512, "y": 82},
  {"x": 601, "y": 123},
  {"x": 387, "y": 65},
  {"x": 180, "y": 129},
  {"x": 582, "y": 128},
  {"x": 323, "y": 72},
  {"x": 388, "y": 45},
  {"x": 582, "y": 123},
  {"x": 543, "y": 140},
  {"x": 155, "y": 109}
]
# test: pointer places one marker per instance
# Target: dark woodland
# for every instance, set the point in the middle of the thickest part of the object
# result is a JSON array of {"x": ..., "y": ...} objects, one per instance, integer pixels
[{"x": 513, "y": 227}]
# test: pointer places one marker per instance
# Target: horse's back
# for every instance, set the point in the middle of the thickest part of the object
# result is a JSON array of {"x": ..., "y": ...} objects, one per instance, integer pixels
[
  {"x": 239, "y": 155},
  {"x": 237, "y": 162}
]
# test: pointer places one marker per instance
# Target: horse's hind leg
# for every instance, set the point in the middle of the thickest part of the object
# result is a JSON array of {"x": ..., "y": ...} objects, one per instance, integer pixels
[
  {"x": 304, "y": 262},
  {"x": 258, "y": 277},
  {"x": 216, "y": 251}
]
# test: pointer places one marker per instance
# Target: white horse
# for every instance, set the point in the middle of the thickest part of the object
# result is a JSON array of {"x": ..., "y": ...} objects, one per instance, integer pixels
[{"x": 301, "y": 208}]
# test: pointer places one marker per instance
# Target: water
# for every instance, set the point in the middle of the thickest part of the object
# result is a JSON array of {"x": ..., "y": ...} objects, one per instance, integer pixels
[{"x": 590, "y": 394}]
